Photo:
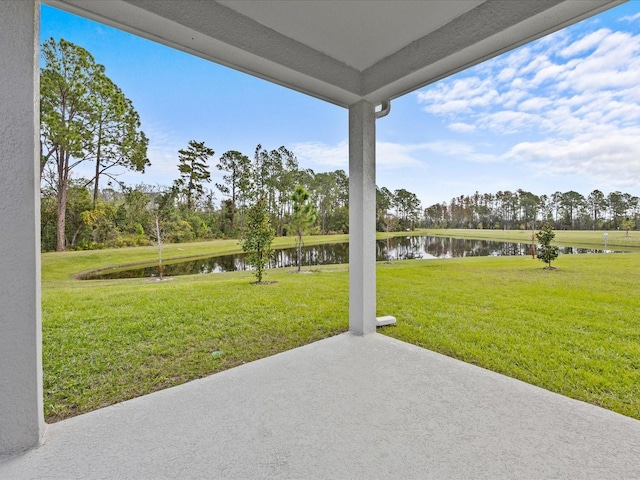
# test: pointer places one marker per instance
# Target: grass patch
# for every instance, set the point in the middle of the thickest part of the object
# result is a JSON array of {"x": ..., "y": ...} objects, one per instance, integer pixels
[
  {"x": 575, "y": 330},
  {"x": 104, "y": 342}
]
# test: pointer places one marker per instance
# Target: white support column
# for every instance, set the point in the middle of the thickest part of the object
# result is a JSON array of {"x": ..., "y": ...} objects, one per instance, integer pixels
[
  {"x": 362, "y": 218},
  {"x": 21, "y": 413}
]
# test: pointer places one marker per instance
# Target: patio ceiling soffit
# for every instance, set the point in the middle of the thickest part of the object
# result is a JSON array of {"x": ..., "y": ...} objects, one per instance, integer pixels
[{"x": 285, "y": 42}]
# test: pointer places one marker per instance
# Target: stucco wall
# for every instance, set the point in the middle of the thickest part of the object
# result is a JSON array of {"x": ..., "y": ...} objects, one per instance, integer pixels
[{"x": 21, "y": 417}]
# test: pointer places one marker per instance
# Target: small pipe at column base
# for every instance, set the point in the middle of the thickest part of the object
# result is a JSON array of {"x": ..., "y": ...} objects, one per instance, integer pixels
[{"x": 386, "y": 320}]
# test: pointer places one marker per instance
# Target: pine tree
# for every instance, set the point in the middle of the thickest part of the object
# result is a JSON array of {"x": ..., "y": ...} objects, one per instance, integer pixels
[
  {"x": 84, "y": 117},
  {"x": 194, "y": 171}
]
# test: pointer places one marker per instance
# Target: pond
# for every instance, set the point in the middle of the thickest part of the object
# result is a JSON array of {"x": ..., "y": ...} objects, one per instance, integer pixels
[{"x": 395, "y": 248}]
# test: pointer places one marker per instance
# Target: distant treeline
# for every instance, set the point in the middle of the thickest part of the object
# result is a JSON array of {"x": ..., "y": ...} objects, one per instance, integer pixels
[
  {"x": 189, "y": 210},
  {"x": 525, "y": 210}
]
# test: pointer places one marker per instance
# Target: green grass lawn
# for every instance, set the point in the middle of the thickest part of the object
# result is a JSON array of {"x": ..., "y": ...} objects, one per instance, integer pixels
[
  {"x": 107, "y": 341},
  {"x": 575, "y": 330}
]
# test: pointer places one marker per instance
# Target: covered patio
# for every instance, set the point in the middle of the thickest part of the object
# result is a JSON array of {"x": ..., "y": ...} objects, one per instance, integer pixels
[
  {"x": 357, "y": 405},
  {"x": 345, "y": 407}
]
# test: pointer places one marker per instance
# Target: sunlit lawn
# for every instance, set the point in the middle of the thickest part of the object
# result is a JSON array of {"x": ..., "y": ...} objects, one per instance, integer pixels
[
  {"x": 575, "y": 330},
  {"x": 107, "y": 341}
]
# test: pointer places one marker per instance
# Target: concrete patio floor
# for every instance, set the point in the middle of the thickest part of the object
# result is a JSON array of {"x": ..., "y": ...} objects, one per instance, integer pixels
[{"x": 345, "y": 407}]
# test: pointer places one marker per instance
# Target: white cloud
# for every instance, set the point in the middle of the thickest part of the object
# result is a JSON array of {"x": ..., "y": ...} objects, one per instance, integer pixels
[
  {"x": 550, "y": 72},
  {"x": 164, "y": 160},
  {"x": 464, "y": 151},
  {"x": 631, "y": 18},
  {"x": 162, "y": 153},
  {"x": 568, "y": 104},
  {"x": 323, "y": 156},
  {"x": 394, "y": 155},
  {"x": 537, "y": 80},
  {"x": 461, "y": 127},
  {"x": 534, "y": 104},
  {"x": 506, "y": 74},
  {"x": 511, "y": 98},
  {"x": 390, "y": 156},
  {"x": 459, "y": 96},
  {"x": 586, "y": 43},
  {"x": 608, "y": 159},
  {"x": 508, "y": 121}
]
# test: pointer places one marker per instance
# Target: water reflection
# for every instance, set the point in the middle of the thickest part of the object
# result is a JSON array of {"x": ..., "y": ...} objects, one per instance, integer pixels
[{"x": 395, "y": 248}]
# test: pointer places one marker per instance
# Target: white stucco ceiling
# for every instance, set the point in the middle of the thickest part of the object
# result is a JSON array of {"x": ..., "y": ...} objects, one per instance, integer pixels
[
  {"x": 342, "y": 50},
  {"x": 351, "y": 31}
]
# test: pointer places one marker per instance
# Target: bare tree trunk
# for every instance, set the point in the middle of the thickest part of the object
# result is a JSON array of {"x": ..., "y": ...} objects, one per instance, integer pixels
[
  {"x": 159, "y": 239},
  {"x": 61, "y": 220},
  {"x": 233, "y": 208},
  {"x": 299, "y": 250},
  {"x": 95, "y": 182},
  {"x": 387, "y": 221},
  {"x": 74, "y": 238}
]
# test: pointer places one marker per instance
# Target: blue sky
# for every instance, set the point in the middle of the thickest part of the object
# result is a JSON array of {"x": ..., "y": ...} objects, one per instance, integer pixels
[{"x": 559, "y": 114}]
